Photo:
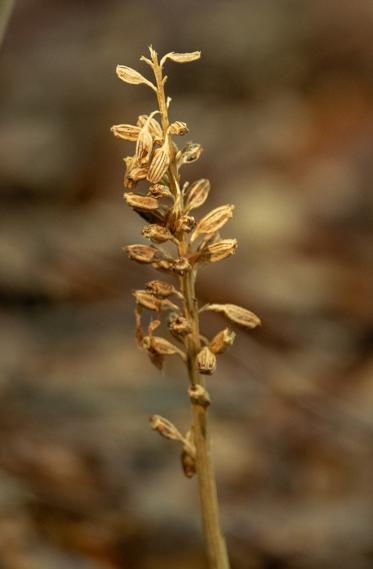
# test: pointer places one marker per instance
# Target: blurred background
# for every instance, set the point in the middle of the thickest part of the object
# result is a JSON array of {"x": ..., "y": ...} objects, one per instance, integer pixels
[{"x": 282, "y": 103}]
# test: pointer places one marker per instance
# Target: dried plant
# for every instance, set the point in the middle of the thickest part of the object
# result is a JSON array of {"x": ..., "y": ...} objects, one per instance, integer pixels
[{"x": 167, "y": 208}]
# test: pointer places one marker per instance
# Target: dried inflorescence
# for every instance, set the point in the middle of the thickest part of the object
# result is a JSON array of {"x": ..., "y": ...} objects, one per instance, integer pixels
[{"x": 166, "y": 206}]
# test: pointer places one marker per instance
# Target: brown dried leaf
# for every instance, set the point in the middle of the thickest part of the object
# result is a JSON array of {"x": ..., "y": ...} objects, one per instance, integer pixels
[{"x": 237, "y": 314}]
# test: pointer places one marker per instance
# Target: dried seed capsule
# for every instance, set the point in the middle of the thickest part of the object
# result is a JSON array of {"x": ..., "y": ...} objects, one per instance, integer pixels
[
  {"x": 189, "y": 154},
  {"x": 160, "y": 288},
  {"x": 141, "y": 202},
  {"x": 206, "y": 361},
  {"x": 197, "y": 193},
  {"x": 165, "y": 428},
  {"x": 126, "y": 131},
  {"x": 181, "y": 265},
  {"x": 157, "y": 233},
  {"x": 178, "y": 325},
  {"x": 237, "y": 314},
  {"x": 147, "y": 300},
  {"x": 199, "y": 395},
  {"x": 132, "y": 76},
  {"x": 159, "y": 164},
  {"x": 181, "y": 57},
  {"x": 142, "y": 253},
  {"x": 160, "y": 345},
  {"x": 144, "y": 145},
  {"x": 213, "y": 221},
  {"x": 222, "y": 341},
  {"x": 188, "y": 463},
  {"x": 178, "y": 128},
  {"x": 221, "y": 249}
]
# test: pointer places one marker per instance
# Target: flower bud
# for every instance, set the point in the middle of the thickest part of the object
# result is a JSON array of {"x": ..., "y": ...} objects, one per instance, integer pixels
[{"x": 206, "y": 361}]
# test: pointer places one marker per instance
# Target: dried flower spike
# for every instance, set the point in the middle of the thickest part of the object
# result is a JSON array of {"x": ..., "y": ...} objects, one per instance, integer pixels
[{"x": 166, "y": 207}]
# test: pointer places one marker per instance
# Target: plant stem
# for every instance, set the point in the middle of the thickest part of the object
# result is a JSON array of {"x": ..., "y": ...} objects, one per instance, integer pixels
[{"x": 215, "y": 543}]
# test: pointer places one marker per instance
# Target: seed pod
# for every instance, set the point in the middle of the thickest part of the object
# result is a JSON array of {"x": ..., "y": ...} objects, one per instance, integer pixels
[
  {"x": 197, "y": 194},
  {"x": 165, "y": 428},
  {"x": 206, "y": 361},
  {"x": 155, "y": 127},
  {"x": 189, "y": 154},
  {"x": 160, "y": 288},
  {"x": 178, "y": 325},
  {"x": 157, "y": 233},
  {"x": 213, "y": 221},
  {"x": 237, "y": 314},
  {"x": 181, "y": 265},
  {"x": 159, "y": 164},
  {"x": 132, "y": 76},
  {"x": 162, "y": 346},
  {"x": 222, "y": 341},
  {"x": 141, "y": 202},
  {"x": 188, "y": 463},
  {"x": 144, "y": 145},
  {"x": 179, "y": 128},
  {"x": 142, "y": 253},
  {"x": 147, "y": 300},
  {"x": 199, "y": 395},
  {"x": 126, "y": 131},
  {"x": 182, "y": 57},
  {"x": 133, "y": 173},
  {"x": 221, "y": 249}
]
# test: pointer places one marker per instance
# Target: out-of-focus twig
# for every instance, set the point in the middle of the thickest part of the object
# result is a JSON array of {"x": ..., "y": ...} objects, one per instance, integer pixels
[{"x": 6, "y": 8}]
